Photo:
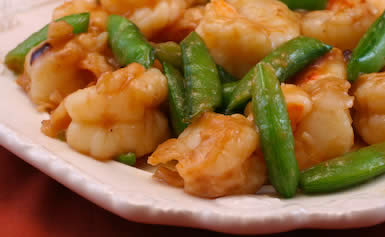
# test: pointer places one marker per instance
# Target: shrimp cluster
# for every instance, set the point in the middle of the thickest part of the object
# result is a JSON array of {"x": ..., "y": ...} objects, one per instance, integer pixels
[{"x": 114, "y": 83}]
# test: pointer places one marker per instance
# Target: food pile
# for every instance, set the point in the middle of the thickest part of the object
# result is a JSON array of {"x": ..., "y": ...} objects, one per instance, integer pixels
[{"x": 222, "y": 96}]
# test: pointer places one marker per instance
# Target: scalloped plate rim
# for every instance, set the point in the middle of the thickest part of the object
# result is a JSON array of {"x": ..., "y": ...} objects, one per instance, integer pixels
[{"x": 210, "y": 215}]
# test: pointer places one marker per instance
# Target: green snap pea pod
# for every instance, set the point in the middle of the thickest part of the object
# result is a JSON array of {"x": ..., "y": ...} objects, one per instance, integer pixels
[
  {"x": 16, "y": 57},
  {"x": 203, "y": 87},
  {"x": 169, "y": 52},
  {"x": 224, "y": 75},
  {"x": 172, "y": 53},
  {"x": 310, "y": 5},
  {"x": 127, "y": 159},
  {"x": 277, "y": 140},
  {"x": 286, "y": 60},
  {"x": 127, "y": 42},
  {"x": 228, "y": 89},
  {"x": 369, "y": 55},
  {"x": 229, "y": 82},
  {"x": 241, "y": 94},
  {"x": 176, "y": 95},
  {"x": 346, "y": 171}
]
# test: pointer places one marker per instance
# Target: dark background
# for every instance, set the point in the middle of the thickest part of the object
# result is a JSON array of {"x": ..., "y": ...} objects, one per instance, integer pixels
[{"x": 32, "y": 204}]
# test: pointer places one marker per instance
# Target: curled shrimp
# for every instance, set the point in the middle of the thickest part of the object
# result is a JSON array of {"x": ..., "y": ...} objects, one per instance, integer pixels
[
  {"x": 117, "y": 115},
  {"x": 52, "y": 75},
  {"x": 98, "y": 16},
  {"x": 183, "y": 26},
  {"x": 369, "y": 116},
  {"x": 63, "y": 64},
  {"x": 326, "y": 132},
  {"x": 74, "y": 7},
  {"x": 239, "y": 33},
  {"x": 215, "y": 156},
  {"x": 342, "y": 24},
  {"x": 150, "y": 16},
  {"x": 379, "y": 4}
]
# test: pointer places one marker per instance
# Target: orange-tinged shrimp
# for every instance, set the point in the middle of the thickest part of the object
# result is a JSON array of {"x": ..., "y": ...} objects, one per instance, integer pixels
[
  {"x": 151, "y": 16},
  {"x": 98, "y": 16},
  {"x": 117, "y": 115},
  {"x": 215, "y": 156},
  {"x": 342, "y": 24},
  {"x": 239, "y": 33},
  {"x": 126, "y": 6},
  {"x": 53, "y": 74},
  {"x": 63, "y": 64},
  {"x": 380, "y": 4},
  {"x": 326, "y": 132},
  {"x": 58, "y": 122},
  {"x": 186, "y": 24},
  {"x": 369, "y": 115},
  {"x": 74, "y": 7}
]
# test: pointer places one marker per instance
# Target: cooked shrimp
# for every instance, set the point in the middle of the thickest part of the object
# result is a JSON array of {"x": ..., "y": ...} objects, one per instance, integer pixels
[
  {"x": 119, "y": 114},
  {"x": 327, "y": 131},
  {"x": 74, "y": 7},
  {"x": 369, "y": 116},
  {"x": 239, "y": 33},
  {"x": 380, "y": 4},
  {"x": 186, "y": 24},
  {"x": 58, "y": 122},
  {"x": 98, "y": 18},
  {"x": 342, "y": 24},
  {"x": 298, "y": 102},
  {"x": 126, "y": 6},
  {"x": 52, "y": 75},
  {"x": 216, "y": 156},
  {"x": 64, "y": 64},
  {"x": 150, "y": 16}
]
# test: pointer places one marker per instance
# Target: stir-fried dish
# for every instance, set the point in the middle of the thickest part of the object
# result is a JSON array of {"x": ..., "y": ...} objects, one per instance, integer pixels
[{"x": 222, "y": 96}]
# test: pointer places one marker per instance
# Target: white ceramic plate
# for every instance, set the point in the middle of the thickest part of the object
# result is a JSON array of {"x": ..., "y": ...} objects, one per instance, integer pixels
[{"x": 132, "y": 194}]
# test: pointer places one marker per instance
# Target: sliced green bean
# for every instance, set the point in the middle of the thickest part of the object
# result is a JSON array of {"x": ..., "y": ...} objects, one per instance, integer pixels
[
  {"x": 203, "y": 87},
  {"x": 369, "y": 55},
  {"x": 286, "y": 60},
  {"x": 176, "y": 97},
  {"x": 277, "y": 141},
  {"x": 169, "y": 52},
  {"x": 310, "y": 5},
  {"x": 127, "y": 42},
  {"x": 346, "y": 171},
  {"x": 15, "y": 58}
]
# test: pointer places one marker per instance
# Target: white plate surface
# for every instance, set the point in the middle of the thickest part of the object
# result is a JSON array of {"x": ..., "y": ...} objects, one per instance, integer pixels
[{"x": 132, "y": 194}]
